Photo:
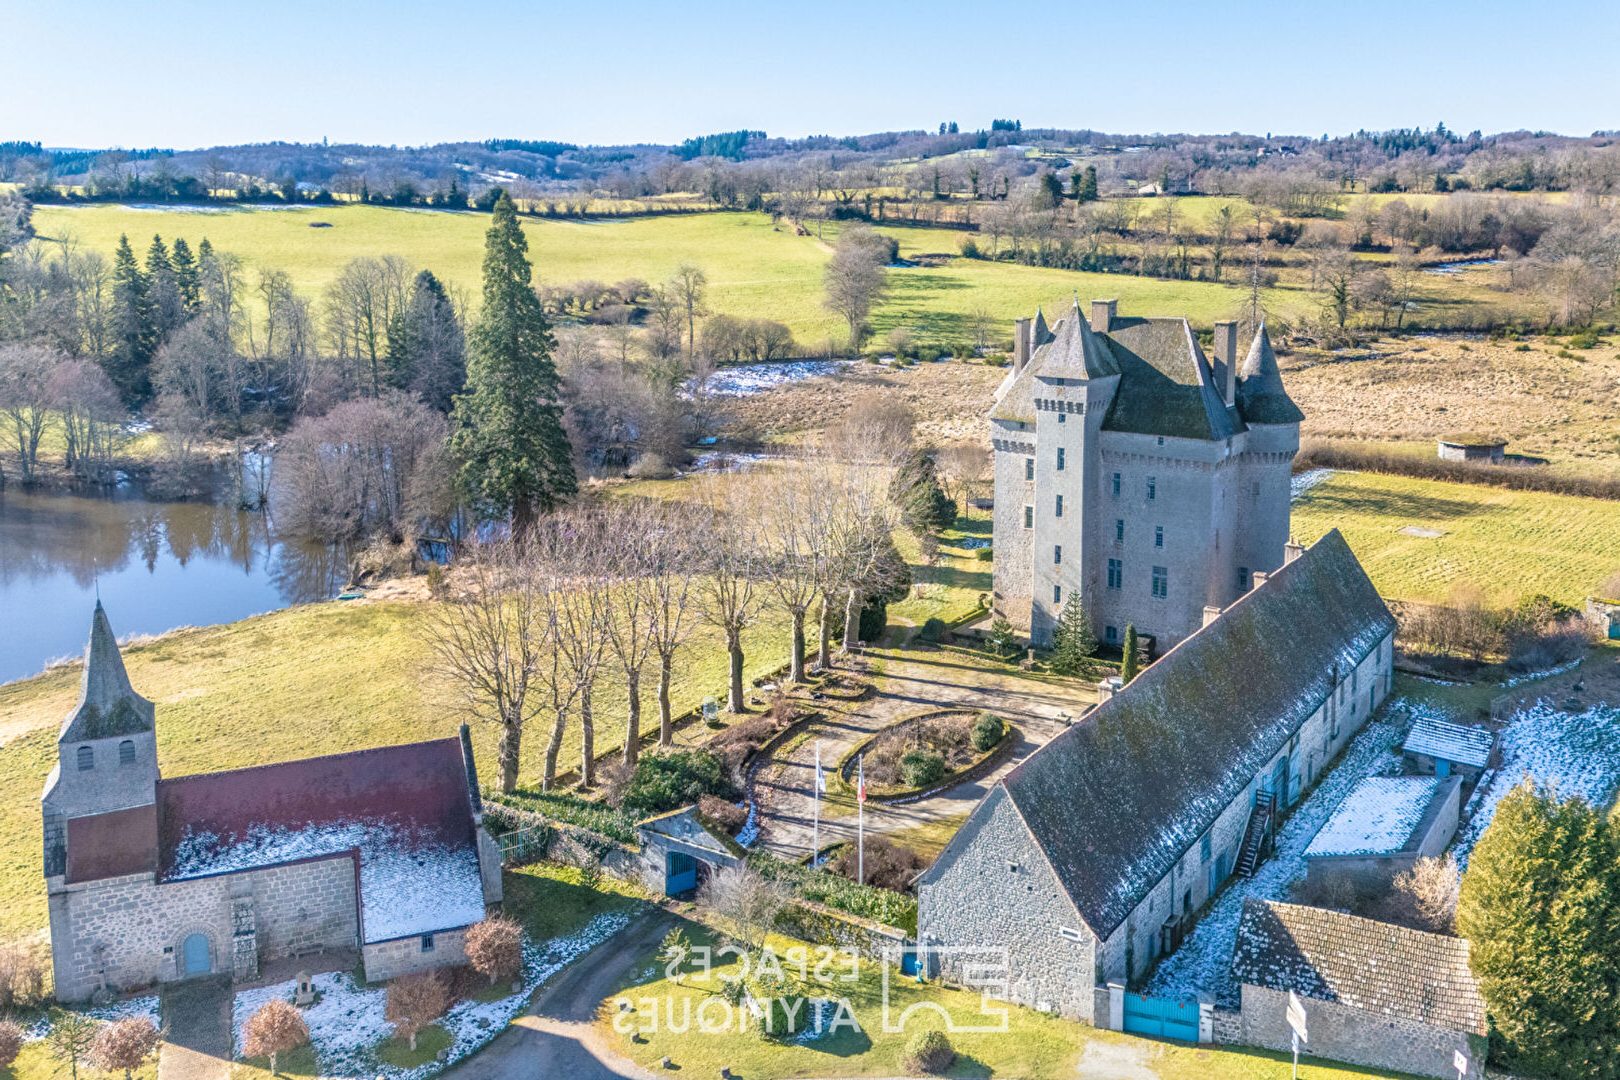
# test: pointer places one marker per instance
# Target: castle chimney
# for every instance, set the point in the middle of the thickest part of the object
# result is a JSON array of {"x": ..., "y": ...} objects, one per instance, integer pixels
[
  {"x": 1226, "y": 356},
  {"x": 1102, "y": 315},
  {"x": 1211, "y": 613},
  {"x": 1292, "y": 550},
  {"x": 1020, "y": 344},
  {"x": 1107, "y": 688},
  {"x": 1259, "y": 578}
]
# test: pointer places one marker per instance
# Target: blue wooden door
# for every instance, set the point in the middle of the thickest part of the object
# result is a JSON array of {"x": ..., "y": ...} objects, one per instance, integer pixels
[
  {"x": 1442, "y": 767},
  {"x": 680, "y": 873},
  {"x": 194, "y": 955},
  {"x": 1162, "y": 1018}
]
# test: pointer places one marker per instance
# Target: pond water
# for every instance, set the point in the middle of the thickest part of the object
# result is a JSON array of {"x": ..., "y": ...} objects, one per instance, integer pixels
[{"x": 158, "y": 565}]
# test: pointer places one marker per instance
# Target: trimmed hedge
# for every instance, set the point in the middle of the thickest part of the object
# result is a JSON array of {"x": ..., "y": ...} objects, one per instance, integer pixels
[{"x": 840, "y": 893}]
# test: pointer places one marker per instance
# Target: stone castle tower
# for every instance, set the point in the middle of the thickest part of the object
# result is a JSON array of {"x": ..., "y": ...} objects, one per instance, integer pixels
[
  {"x": 1136, "y": 475},
  {"x": 106, "y": 761}
]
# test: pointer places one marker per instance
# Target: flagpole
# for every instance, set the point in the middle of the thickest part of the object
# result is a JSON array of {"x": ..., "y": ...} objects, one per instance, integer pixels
[
  {"x": 860, "y": 824},
  {"x": 815, "y": 828}
]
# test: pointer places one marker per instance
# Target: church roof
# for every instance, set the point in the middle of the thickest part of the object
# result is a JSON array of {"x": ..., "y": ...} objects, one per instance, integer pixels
[
  {"x": 1115, "y": 800},
  {"x": 108, "y": 706},
  {"x": 1358, "y": 963},
  {"x": 1260, "y": 392}
]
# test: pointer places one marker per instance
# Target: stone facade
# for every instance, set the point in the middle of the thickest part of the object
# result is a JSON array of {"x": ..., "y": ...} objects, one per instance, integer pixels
[
  {"x": 1340, "y": 1033},
  {"x": 387, "y": 959}
]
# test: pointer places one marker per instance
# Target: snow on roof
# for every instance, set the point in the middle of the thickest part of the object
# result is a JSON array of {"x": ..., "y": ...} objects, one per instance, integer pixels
[
  {"x": 1458, "y": 743},
  {"x": 1377, "y": 817},
  {"x": 411, "y": 882}
]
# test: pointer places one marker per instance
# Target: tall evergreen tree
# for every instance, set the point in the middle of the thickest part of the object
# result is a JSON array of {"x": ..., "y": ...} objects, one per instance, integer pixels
[
  {"x": 515, "y": 458},
  {"x": 1088, "y": 184},
  {"x": 1073, "y": 640},
  {"x": 427, "y": 351},
  {"x": 916, "y": 490},
  {"x": 129, "y": 365},
  {"x": 1129, "y": 665},
  {"x": 163, "y": 288},
  {"x": 186, "y": 279},
  {"x": 1540, "y": 907}
]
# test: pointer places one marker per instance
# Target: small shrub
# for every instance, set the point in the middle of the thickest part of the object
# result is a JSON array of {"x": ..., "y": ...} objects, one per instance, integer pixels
[
  {"x": 1521, "y": 348},
  {"x": 970, "y": 248},
  {"x": 674, "y": 778},
  {"x": 1586, "y": 339},
  {"x": 920, "y": 768},
  {"x": 987, "y": 731},
  {"x": 984, "y": 554},
  {"x": 22, "y": 976},
  {"x": 415, "y": 1001},
  {"x": 887, "y": 864},
  {"x": 11, "y": 1040},
  {"x": 1003, "y": 638},
  {"x": 722, "y": 814},
  {"x": 125, "y": 1045},
  {"x": 928, "y": 1052},
  {"x": 277, "y": 1028},
  {"x": 933, "y": 630},
  {"x": 495, "y": 948},
  {"x": 651, "y": 467},
  {"x": 436, "y": 581}
]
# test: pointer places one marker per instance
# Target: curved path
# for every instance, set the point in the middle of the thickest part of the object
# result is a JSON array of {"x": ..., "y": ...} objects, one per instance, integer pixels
[{"x": 913, "y": 680}]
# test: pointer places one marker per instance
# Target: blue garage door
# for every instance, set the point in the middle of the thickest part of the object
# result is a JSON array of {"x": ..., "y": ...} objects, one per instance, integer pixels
[
  {"x": 1161, "y": 1018},
  {"x": 680, "y": 873}
]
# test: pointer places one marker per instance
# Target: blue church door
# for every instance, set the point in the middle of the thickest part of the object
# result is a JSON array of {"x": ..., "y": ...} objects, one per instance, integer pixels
[{"x": 194, "y": 955}]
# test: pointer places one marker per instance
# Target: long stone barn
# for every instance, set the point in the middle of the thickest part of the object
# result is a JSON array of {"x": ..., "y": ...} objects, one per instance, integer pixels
[
  {"x": 1092, "y": 858},
  {"x": 156, "y": 880}
]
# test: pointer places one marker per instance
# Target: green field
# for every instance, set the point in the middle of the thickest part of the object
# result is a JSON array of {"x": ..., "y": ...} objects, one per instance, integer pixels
[
  {"x": 754, "y": 269},
  {"x": 1419, "y": 537}
]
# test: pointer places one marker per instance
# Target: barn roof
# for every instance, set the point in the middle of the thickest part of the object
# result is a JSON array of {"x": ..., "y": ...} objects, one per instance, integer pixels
[
  {"x": 1376, "y": 967},
  {"x": 1461, "y": 744},
  {"x": 1115, "y": 800}
]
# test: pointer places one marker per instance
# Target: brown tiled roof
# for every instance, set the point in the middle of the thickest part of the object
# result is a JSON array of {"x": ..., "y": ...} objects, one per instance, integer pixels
[
  {"x": 1376, "y": 967},
  {"x": 1115, "y": 800}
]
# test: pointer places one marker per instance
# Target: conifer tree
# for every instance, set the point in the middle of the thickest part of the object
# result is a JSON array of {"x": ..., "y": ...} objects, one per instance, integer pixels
[
  {"x": 515, "y": 458},
  {"x": 427, "y": 351},
  {"x": 915, "y": 488},
  {"x": 134, "y": 331},
  {"x": 1540, "y": 907},
  {"x": 1088, "y": 184},
  {"x": 1129, "y": 665},
  {"x": 1073, "y": 641},
  {"x": 163, "y": 290},
  {"x": 186, "y": 279}
]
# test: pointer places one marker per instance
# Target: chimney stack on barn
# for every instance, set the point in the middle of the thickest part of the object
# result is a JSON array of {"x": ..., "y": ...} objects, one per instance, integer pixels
[
  {"x": 1226, "y": 359},
  {"x": 1211, "y": 613},
  {"x": 1102, "y": 315},
  {"x": 1292, "y": 550}
]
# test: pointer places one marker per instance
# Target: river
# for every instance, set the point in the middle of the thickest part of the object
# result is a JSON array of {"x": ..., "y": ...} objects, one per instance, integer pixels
[{"x": 158, "y": 565}]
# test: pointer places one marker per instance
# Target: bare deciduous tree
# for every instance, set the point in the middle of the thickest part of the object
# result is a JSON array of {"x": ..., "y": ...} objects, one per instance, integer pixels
[
  {"x": 672, "y": 578},
  {"x": 1430, "y": 889},
  {"x": 732, "y": 590},
  {"x": 25, "y": 401},
  {"x": 630, "y": 549},
  {"x": 855, "y": 278},
  {"x": 415, "y": 1001},
  {"x": 125, "y": 1045},
  {"x": 689, "y": 286},
  {"x": 277, "y": 1028},
  {"x": 495, "y": 948},
  {"x": 746, "y": 901}
]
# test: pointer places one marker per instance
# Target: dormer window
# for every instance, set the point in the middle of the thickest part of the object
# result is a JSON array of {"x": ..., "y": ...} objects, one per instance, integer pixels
[
  {"x": 87, "y": 758},
  {"x": 126, "y": 752}
]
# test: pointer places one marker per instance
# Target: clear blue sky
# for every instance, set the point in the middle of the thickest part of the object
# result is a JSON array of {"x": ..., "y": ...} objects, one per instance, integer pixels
[{"x": 184, "y": 73}]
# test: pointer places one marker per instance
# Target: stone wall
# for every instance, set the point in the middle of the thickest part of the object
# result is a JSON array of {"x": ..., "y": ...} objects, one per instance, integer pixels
[
  {"x": 129, "y": 931},
  {"x": 998, "y": 892},
  {"x": 1340, "y": 1033},
  {"x": 385, "y": 960},
  {"x": 1011, "y": 542}
]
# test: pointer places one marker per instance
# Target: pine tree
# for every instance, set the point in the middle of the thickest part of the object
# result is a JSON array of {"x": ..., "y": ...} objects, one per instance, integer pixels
[
  {"x": 1073, "y": 641},
  {"x": 163, "y": 289},
  {"x": 186, "y": 279},
  {"x": 915, "y": 488},
  {"x": 129, "y": 365},
  {"x": 1540, "y": 907},
  {"x": 1088, "y": 184},
  {"x": 1129, "y": 665},
  {"x": 515, "y": 458},
  {"x": 426, "y": 349}
]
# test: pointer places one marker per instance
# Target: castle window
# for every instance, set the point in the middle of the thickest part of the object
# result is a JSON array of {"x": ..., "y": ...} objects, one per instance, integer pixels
[
  {"x": 87, "y": 758},
  {"x": 1062, "y": 417},
  {"x": 1057, "y": 554},
  {"x": 1029, "y": 517},
  {"x": 1243, "y": 579},
  {"x": 1119, "y": 530},
  {"x": 1161, "y": 582},
  {"x": 1203, "y": 848},
  {"x": 1116, "y": 573},
  {"x": 126, "y": 752},
  {"x": 1029, "y": 468},
  {"x": 1060, "y": 459},
  {"x": 1158, "y": 536},
  {"x": 1153, "y": 487},
  {"x": 1059, "y": 511},
  {"x": 1057, "y": 594},
  {"x": 1111, "y": 634},
  {"x": 1161, "y": 440},
  {"x": 1116, "y": 485},
  {"x": 427, "y": 942}
]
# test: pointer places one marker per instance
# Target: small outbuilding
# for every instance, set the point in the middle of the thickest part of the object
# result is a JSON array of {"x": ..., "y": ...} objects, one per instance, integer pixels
[
  {"x": 1471, "y": 446},
  {"x": 679, "y": 850},
  {"x": 1375, "y": 994},
  {"x": 1441, "y": 748},
  {"x": 1382, "y": 827}
]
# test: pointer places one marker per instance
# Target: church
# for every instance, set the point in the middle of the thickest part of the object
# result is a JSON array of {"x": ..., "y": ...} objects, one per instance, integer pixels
[
  {"x": 152, "y": 879},
  {"x": 1135, "y": 475}
]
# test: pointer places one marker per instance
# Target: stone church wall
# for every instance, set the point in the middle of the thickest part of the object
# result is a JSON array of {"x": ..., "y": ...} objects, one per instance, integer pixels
[{"x": 389, "y": 959}]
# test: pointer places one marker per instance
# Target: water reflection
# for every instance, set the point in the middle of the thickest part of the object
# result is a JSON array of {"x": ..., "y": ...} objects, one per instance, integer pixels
[{"x": 158, "y": 564}]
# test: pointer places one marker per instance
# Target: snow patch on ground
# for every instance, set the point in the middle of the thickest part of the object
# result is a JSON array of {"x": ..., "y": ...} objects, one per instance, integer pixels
[
  {"x": 346, "y": 1023},
  {"x": 145, "y": 1006},
  {"x": 1306, "y": 480},
  {"x": 746, "y": 379},
  {"x": 1377, "y": 817},
  {"x": 410, "y": 881},
  {"x": 725, "y": 461},
  {"x": 1573, "y": 754},
  {"x": 972, "y": 543},
  {"x": 1203, "y": 963},
  {"x": 1532, "y": 676},
  {"x": 750, "y": 829}
]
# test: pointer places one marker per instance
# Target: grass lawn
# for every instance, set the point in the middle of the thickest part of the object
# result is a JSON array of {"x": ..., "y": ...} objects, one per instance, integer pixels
[
  {"x": 1033, "y": 1046},
  {"x": 1418, "y": 537},
  {"x": 398, "y": 1053},
  {"x": 553, "y": 900}
]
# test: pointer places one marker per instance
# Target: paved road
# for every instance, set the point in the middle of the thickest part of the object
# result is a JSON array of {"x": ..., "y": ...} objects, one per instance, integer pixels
[
  {"x": 557, "y": 1038},
  {"x": 913, "y": 681},
  {"x": 197, "y": 1022}
]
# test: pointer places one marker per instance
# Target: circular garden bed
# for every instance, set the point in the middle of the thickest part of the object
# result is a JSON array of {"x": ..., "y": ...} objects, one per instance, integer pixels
[{"x": 927, "y": 751}]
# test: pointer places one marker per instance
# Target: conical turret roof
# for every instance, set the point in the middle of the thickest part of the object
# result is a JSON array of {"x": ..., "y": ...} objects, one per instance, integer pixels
[
  {"x": 1261, "y": 397},
  {"x": 108, "y": 706},
  {"x": 1042, "y": 333},
  {"x": 1075, "y": 352}
]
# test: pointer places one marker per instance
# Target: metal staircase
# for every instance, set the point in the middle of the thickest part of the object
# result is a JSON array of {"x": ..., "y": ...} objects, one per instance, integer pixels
[{"x": 1257, "y": 837}]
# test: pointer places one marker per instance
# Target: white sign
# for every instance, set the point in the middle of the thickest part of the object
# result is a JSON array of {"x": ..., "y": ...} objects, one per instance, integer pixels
[
  {"x": 1459, "y": 1061},
  {"x": 1296, "y": 1016}
]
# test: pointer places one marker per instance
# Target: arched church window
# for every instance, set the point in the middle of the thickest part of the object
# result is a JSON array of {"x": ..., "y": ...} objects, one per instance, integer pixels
[
  {"x": 126, "y": 752},
  {"x": 87, "y": 758}
]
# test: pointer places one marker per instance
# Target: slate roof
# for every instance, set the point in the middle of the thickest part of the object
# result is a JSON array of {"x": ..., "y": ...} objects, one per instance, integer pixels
[
  {"x": 1166, "y": 384},
  {"x": 1375, "y": 967},
  {"x": 108, "y": 706},
  {"x": 1115, "y": 800},
  {"x": 1377, "y": 817},
  {"x": 1461, "y": 744}
]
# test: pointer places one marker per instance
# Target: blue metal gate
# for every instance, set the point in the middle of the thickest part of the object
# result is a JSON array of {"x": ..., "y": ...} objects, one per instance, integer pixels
[
  {"x": 1161, "y": 1018},
  {"x": 680, "y": 873}
]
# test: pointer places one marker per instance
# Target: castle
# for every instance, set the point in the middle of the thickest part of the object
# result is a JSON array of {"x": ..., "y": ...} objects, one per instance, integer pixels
[
  {"x": 1135, "y": 474},
  {"x": 151, "y": 879}
]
